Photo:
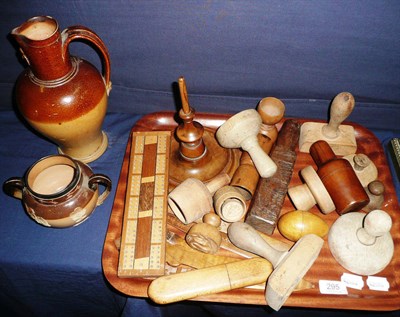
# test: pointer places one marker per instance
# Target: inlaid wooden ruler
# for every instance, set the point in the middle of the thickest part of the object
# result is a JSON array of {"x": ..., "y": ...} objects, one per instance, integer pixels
[{"x": 142, "y": 251}]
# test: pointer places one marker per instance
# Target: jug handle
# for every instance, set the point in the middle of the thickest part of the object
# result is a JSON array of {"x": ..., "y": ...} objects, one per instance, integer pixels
[
  {"x": 14, "y": 187},
  {"x": 77, "y": 32},
  {"x": 101, "y": 179}
]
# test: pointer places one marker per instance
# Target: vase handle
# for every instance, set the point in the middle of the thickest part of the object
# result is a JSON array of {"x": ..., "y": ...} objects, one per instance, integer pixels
[
  {"x": 101, "y": 179},
  {"x": 83, "y": 33},
  {"x": 14, "y": 187}
]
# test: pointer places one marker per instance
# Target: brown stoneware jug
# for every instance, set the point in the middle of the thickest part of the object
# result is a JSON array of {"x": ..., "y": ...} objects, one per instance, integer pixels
[
  {"x": 58, "y": 191},
  {"x": 61, "y": 96}
]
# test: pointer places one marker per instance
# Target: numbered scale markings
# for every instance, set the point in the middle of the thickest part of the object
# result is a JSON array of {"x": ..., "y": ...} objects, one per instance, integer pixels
[{"x": 142, "y": 251}]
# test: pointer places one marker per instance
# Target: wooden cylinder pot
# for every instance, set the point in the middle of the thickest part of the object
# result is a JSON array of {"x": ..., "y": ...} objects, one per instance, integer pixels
[{"x": 339, "y": 178}]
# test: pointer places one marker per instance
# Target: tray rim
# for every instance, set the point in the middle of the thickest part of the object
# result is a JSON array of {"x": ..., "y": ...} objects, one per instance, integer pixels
[{"x": 307, "y": 297}]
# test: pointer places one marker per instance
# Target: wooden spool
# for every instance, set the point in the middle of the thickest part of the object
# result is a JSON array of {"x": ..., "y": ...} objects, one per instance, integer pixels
[
  {"x": 313, "y": 192},
  {"x": 362, "y": 243},
  {"x": 229, "y": 204},
  {"x": 340, "y": 137},
  {"x": 240, "y": 131}
]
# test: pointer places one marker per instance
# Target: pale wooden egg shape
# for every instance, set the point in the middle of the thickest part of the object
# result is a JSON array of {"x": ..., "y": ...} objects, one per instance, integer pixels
[{"x": 295, "y": 224}]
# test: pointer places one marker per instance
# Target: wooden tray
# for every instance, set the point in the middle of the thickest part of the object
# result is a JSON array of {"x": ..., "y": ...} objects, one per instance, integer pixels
[{"x": 325, "y": 267}]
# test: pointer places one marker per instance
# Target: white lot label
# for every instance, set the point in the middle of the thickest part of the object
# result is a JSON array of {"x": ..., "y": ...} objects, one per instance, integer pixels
[{"x": 332, "y": 287}]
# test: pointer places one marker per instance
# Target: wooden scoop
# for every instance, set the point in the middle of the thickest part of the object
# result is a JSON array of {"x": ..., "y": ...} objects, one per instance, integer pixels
[
  {"x": 289, "y": 266},
  {"x": 240, "y": 131}
]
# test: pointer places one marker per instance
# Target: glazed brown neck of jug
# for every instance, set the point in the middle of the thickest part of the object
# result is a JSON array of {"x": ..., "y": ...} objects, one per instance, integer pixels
[{"x": 42, "y": 46}]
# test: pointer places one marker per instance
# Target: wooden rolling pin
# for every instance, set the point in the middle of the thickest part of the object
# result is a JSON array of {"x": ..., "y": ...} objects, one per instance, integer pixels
[{"x": 177, "y": 287}]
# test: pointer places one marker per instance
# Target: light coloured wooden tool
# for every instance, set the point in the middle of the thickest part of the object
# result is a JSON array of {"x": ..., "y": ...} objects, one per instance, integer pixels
[
  {"x": 339, "y": 136},
  {"x": 270, "y": 194},
  {"x": 289, "y": 267},
  {"x": 179, "y": 252},
  {"x": 297, "y": 223},
  {"x": 240, "y": 131},
  {"x": 246, "y": 177},
  {"x": 220, "y": 278},
  {"x": 192, "y": 198},
  {"x": 229, "y": 203},
  {"x": 313, "y": 192},
  {"x": 142, "y": 251},
  {"x": 205, "y": 236},
  {"x": 365, "y": 169},
  {"x": 362, "y": 243},
  {"x": 376, "y": 193}
]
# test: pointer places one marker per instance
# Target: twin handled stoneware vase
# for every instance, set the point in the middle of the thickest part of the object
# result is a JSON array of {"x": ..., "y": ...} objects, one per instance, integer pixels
[{"x": 61, "y": 96}]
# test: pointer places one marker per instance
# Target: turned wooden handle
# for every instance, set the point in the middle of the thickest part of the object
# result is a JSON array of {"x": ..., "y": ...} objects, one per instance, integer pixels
[
  {"x": 220, "y": 278},
  {"x": 342, "y": 106},
  {"x": 247, "y": 238}
]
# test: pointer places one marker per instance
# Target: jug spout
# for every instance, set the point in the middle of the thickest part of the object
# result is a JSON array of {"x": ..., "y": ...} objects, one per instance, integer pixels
[{"x": 41, "y": 43}]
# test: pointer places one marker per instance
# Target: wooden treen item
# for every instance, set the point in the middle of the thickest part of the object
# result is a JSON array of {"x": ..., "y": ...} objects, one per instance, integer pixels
[
  {"x": 270, "y": 193},
  {"x": 306, "y": 196},
  {"x": 179, "y": 252},
  {"x": 289, "y": 267},
  {"x": 339, "y": 179},
  {"x": 229, "y": 203},
  {"x": 376, "y": 193},
  {"x": 339, "y": 136},
  {"x": 362, "y": 243},
  {"x": 205, "y": 236},
  {"x": 220, "y": 278},
  {"x": 240, "y": 131},
  {"x": 246, "y": 176},
  {"x": 365, "y": 169},
  {"x": 192, "y": 199},
  {"x": 142, "y": 251},
  {"x": 195, "y": 153}
]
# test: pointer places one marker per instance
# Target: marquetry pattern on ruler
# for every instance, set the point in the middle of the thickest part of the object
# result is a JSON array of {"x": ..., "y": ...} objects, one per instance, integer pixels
[{"x": 142, "y": 251}]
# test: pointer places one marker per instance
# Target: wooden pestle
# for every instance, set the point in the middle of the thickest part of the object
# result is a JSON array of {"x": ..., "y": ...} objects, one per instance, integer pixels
[
  {"x": 270, "y": 193},
  {"x": 246, "y": 176},
  {"x": 240, "y": 131},
  {"x": 339, "y": 179},
  {"x": 289, "y": 266}
]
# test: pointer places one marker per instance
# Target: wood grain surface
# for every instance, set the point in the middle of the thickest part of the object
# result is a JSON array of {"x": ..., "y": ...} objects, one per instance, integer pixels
[{"x": 324, "y": 268}]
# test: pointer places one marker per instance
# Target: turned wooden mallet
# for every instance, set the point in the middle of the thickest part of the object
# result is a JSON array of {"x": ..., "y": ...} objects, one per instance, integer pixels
[
  {"x": 240, "y": 131},
  {"x": 289, "y": 266}
]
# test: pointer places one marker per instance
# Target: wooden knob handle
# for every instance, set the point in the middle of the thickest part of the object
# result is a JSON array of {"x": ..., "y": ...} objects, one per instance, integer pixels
[
  {"x": 247, "y": 238},
  {"x": 376, "y": 224},
  {"x": 342, "y": 106},
  {"x": 184, "y": 95}
]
